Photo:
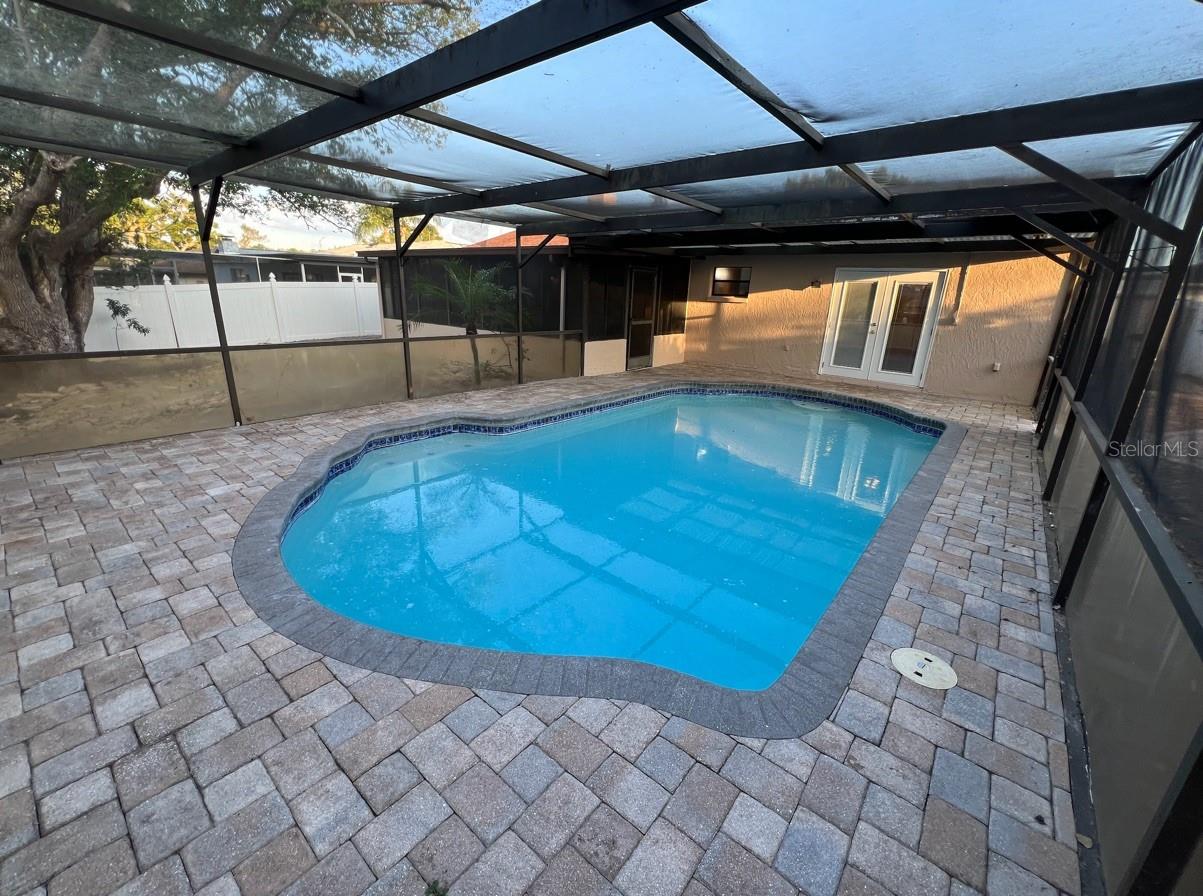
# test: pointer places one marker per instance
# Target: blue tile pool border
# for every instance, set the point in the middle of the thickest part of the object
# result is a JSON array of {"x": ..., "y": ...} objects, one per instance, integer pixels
[{"x": 807, "y": 691}]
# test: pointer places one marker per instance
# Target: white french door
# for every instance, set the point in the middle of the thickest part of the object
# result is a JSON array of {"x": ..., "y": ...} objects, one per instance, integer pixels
[{"x": 881, "y": 324}]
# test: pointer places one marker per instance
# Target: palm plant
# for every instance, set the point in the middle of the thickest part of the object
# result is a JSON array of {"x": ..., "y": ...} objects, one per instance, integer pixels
[{"x": 476, "y": 295}]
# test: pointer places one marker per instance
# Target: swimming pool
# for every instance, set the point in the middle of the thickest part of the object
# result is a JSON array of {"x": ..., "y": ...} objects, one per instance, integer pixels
[{"x": 703, "y": 533}]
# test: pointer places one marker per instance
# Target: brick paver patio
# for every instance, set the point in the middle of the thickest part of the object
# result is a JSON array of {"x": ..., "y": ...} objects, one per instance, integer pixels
[{"x": 157, "y": 738}]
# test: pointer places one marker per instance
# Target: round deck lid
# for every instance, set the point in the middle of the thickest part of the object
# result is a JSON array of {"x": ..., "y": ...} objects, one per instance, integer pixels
[{"x": 924, "y": 668}]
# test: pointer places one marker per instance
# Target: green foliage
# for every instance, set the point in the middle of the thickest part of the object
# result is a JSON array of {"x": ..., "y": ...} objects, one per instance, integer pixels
[
  {"x": 374, "y": 224},
  {"x": 92, "y": 208},
  {"x": 474, "y": 292},
  {"x": 166, "y": 223},
  {"x": 121, "y": 312},
  {"x": 252, "y": 238},
  {"x": 435, "y": 888}
]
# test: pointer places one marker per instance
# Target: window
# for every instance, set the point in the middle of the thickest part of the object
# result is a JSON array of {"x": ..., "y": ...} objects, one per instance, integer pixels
[
  {"x": 731, "y": 283},
  {"x": 320, "y": 273}
]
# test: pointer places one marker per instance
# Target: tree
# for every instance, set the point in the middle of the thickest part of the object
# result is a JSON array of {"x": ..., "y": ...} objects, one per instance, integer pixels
[
  {"x": 252, "y": 238},
  {"x": 57, "y": 210},
  {"x": 374, "y": 224},
  {"x": 165, "y": 223},
  {"x": 476, "y": 295}
]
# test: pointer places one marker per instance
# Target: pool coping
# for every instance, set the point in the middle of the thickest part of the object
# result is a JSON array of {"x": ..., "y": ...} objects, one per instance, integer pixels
[{"x": 799, "y": 701}]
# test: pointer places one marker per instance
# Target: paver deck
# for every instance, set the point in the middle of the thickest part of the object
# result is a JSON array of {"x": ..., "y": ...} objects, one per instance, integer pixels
[{"x": 156, "y": 737}]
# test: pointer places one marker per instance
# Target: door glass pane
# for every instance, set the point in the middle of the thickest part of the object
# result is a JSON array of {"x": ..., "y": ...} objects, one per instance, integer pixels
[
  {"x": 643, "y": 294},
  {"x": 906, "y": 328},
  {"x": 855, "y": 316}
]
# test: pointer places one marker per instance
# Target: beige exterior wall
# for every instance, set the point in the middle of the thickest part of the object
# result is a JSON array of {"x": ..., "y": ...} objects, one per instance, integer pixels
[
  {"x": 668, "y": 349},
  {"x": 605, "y": 356},
  {"x": 997, "y": 308}
]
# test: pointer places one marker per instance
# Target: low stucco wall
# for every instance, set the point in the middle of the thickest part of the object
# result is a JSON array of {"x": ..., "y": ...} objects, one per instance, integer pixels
[
  {"x": 605, "y": 356},
  {"x": 668, "y": 349},
  {"x": 997, "y": 308}
]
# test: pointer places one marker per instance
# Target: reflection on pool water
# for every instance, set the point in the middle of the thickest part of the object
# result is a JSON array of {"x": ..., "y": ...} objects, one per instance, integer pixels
[{"x": 703, "y": 533}]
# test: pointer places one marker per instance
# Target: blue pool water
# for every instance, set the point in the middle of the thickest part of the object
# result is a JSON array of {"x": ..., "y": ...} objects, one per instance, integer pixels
[{"x": 704, "y": 533}]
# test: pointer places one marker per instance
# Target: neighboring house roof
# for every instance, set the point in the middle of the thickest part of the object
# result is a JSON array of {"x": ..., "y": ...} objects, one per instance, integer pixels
[
  {"x": 497, "y": 245},
  {"x": 506, "y": 240},
  {"x": 382, "y": 248}
]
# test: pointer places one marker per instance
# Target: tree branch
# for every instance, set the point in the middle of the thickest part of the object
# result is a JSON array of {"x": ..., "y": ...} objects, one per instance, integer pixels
[{"x": 41, "y": 191}]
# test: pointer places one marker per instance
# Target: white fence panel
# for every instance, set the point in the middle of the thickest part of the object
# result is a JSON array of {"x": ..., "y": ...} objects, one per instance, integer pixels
[
  {"x": 254, "y": 313},
  {"x": 246, "y": 309}
]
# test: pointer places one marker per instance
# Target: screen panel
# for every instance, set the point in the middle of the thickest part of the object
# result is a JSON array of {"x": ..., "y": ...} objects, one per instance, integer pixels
[
  {"x": 633, "y": 98},
  {"x": 416, "y": 147},
  {"x": 855, "y": 65},
  {"x": 63, "y": 404},
  {"x": 306, "y": 174},
  {"x": 43, "y": 49},
  {"x": 352, "y": 41}
]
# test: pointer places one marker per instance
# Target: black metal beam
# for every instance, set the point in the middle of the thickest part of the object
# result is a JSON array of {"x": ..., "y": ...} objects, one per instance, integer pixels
[
  {"x": 518, "y": 265},
  {"x": 1071, "y": 241},
  {"x": 59, "y": 145},
  {"x": 538, "y": 152},
  {"x": 109, "y": 113},
  {"x": 566, "y": 212},
  {"x": 206, "y": 212},
  {"x": 539, "y": 248},
  {"x": 400, "y": 248},
  {"x": 1096, "y": 193},
  {"x": 1180, "y": 146},
  {"x": 487, "y": 136},
  {"x": 1162, "y": 312},
  {"x": 906, "y": 247},
  {"x": 393, "y": 173},
  {"x": 693, "y": 38},
  {"x": 384, "y": 171},
  {"x": 1111, "y": 286},
  {"x": 413, "y": 234},
  {"x": 277, "y": 183},
  {"x": 685, "y": 200},
  {"x": 1002, "y": 226},
  {"x": 1050, "y": 255},
  {"x": 206, "y": 45},
  {"x": 263, "y": 63},
  {"x": 525, "y": 38},
  {"x": 1116, "y": 111},
  {"x": 997, "y": 199}
]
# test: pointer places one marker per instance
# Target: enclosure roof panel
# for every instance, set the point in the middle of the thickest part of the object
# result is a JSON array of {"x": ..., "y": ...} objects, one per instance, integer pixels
[
  {"x": 427, "y": 150},
  {"x": 856, "y": 65},
  {"x": 1097, "y": 156},
  {"x": 631, "y": 202},
  {"x": 786, "y": 186},
  {"x": 354, "y": 41},
  {"x": 43, "y": 49},
  {"x": 650, "y": 113},
  {"x": 29, "y": 123},
  {"x": 513, "y": 215},
  {"x": 318, "y": 177},
  {"x": 633, "y": 98}
]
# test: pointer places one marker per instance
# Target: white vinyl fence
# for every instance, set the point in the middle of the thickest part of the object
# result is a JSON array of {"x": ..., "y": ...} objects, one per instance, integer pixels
[{"x": 255, "y": 314}]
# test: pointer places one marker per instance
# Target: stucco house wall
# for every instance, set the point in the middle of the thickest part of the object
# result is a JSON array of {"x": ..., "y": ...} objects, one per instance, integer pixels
[{"x": 997, "y": 308}]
